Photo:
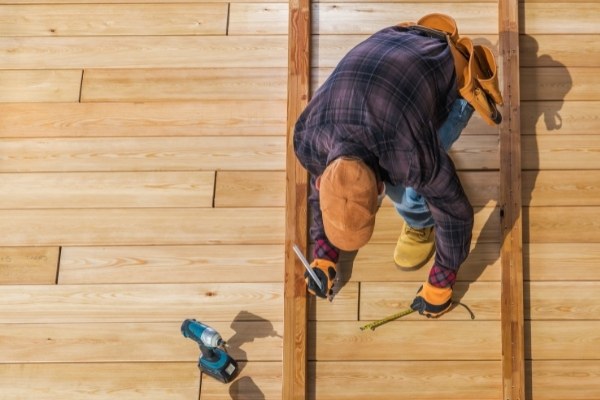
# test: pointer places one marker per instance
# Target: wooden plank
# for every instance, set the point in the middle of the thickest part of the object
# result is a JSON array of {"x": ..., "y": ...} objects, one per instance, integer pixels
[
  {"x": 193, "y": 118},
  {"x": 564, "y": 379},
  {"x": 562, "y": 224},
  {"x": 139, "y": 302},
  {"x": 257, "y": 380},
  {"x": 476, "y": 152},
  {"x": 570, "y": 117},
  {"x": 559, "y": 50},
  {"x": 561, "y": 152},
  {"x": 90, "y": 381},
  {"x": 113, "y": 19},
  {"x": 402, "y": 340},
  {"x": 343, "y": 307},
  {"x": 374, "y": 263},
  {"x": 511, "y": 254},
  {"x": 144, "y": 52},
  {"x": 107, "y": 189},
  {"x": 296, "y": 215},
  {"x": 564, "y": 300},
  {"x": 133, "y": 342},
  {"x": 388, "y": 225},
  {"x": 40, "y": 86},
  {"x": 139, "y": 227},
  {"x": 405, "y": 380},
  {"x": 558, "y": 17},
  {"x": 151, "y": 154},
  {"x": 250, "y": 189},
  {"x": 380, "y": 299},
  {"x": 28, "y": 265},
  {"x": 366, "y": 18},
  {"x": 258, "y": 19},
  {"x": 105, "y": 85},
  {"x": 562, "y": 340},
  {"x": 171, "y": 264},
  {"x": 560, "y": 83},
  {"x": 547, "y": 261},
  {"x": 561, "y": 188}
]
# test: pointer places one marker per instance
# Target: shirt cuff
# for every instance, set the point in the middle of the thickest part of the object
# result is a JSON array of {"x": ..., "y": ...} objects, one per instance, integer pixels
[
  {"x": 441, "y": 277},
  {"x": 325, "y": 250}
]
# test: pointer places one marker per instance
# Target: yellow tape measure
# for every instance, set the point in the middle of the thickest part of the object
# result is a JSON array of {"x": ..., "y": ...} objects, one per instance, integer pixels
[{"x": 375, "y": 324}]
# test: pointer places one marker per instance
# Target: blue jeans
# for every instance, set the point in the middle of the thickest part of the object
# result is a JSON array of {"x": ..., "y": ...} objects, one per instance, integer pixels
[{"x": 411, "y": 205}]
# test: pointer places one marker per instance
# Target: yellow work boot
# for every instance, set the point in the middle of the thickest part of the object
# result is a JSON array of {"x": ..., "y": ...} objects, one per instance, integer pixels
[{"x": 415, "y": 247}]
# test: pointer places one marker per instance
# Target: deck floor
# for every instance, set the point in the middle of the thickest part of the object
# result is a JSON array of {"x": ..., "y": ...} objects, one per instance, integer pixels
[{"x": 142, "y": 150}]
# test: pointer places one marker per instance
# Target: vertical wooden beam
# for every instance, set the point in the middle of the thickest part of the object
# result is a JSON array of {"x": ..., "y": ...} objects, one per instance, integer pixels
[
  {"x": 513, "y": 353},
  {"x": 295, "y": 309}
]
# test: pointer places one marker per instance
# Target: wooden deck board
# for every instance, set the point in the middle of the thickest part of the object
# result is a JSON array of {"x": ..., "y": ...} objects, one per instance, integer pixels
[
  {"x": 40, "y": 86},
  {"x": 28, "y": 265}
]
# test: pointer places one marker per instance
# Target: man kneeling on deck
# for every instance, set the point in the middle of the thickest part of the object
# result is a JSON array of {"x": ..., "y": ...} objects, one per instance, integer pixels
[{"x": 381, "y": 125}]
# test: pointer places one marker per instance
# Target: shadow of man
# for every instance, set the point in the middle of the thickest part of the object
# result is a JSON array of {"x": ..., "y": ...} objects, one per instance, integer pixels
[{"x": 247, "y": 327}]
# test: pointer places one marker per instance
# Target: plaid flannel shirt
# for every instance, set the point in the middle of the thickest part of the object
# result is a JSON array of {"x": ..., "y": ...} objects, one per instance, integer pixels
[{"x": 383, "y": 103}]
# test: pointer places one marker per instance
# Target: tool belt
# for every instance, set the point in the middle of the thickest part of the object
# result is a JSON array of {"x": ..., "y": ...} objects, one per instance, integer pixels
[{"x": 476, "y": 70}]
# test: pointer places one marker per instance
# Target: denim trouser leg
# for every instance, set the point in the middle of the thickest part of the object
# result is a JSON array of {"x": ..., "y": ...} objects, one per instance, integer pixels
[{"x": 411, "y": 205}]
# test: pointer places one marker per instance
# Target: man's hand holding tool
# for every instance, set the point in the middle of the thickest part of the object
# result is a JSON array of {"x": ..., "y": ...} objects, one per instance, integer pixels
[{"x": 319, "y": 275}]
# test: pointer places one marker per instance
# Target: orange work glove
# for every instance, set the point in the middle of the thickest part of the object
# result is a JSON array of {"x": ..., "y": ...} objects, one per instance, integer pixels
[
  {"x": 432, "y": 301},
  {"x": 325, "y": 271}
]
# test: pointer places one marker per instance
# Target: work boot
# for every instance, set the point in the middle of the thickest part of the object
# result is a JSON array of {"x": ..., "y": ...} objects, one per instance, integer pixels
[{"x": 415, "y": 246}]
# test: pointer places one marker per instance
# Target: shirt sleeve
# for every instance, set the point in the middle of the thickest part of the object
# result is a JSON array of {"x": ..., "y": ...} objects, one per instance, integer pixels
[{"x": 452, "y": 214}]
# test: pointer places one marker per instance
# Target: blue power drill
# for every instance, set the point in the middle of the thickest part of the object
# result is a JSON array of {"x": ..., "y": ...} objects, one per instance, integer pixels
[{"x": 214, "y": 360}]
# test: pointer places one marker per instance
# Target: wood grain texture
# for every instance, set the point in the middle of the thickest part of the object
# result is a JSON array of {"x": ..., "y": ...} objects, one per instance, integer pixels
[
  {"x": 561, "y": 152},
  {"x": 133, "y": 342},
  {"x": 257, "y": 380},
  {"x": 250, "y": 189},
  {"x": 91, "y": 381},
  {"x": 153, "y": 226},
  {"x": 171, "y": 264},
  {"x": 113, "y": 19},
  {"x": 561, "y": 188},
  {"x": 111, "y": 189},
  {"x": 344, "y": 306},
  {"x": 40, "y": 86},
  {"x": 561, "y": 224},
  {"x": 565, "y": 340},
  {"x": 563, "y": 300},
  {"x": 559, "y": 261},
  {"x": 144, "y": 52},
  {"x": 560, "y": 83},
  {"x": 380, "y": 299},
  {"x": 405, "y": 380},
  {"x": 402, "y": 340},
  {"x": 140, "y": 302},
  {"x": 554, "y": 17},
  {"x": 366, "y": 18},
  {"x": 558, "y": 117},
  {"x": 151, "y": 154},
  {"x": 258, "y": 19},
  {"x": 193, "y": 118},
  {"x": 28, "y": 265},
  {"x": 562, "y": 51},
  {"x": 564, "y": 379},
  {"x": 132, "y": 85}
]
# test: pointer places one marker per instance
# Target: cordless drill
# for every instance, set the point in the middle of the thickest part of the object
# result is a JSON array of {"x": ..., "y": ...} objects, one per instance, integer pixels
[{"x": 214, "y": 360}]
